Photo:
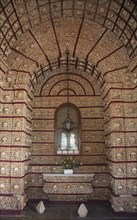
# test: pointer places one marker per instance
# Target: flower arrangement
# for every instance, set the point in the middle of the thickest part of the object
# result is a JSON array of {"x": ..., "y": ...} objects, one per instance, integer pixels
[{"x": 69, "y": 162}]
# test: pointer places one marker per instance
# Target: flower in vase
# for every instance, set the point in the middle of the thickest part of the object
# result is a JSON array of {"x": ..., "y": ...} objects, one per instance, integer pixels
[{"x": 69, "y": 162}]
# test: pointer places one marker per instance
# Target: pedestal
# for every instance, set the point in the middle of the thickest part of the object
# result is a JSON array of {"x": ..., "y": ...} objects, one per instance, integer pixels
[{"x": 72, "y": 187}]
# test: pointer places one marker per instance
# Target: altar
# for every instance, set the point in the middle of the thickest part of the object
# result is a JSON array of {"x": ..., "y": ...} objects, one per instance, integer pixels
[{"x": 74, "y": 187}]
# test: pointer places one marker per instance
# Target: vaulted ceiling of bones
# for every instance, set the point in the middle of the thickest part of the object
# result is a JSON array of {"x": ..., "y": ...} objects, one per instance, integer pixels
[{"x": 101, "y": 35}]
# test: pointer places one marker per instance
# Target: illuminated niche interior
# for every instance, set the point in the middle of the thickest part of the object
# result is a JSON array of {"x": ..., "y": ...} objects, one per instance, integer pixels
[{"x": 67, "y": 130}]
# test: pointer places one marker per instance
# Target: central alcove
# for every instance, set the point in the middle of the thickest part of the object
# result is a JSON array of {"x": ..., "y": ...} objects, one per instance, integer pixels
[{"x": 49, "y": 96}]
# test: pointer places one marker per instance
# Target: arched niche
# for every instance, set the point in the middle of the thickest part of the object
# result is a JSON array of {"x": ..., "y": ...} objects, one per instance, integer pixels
[{"x": 67, "y": 129}]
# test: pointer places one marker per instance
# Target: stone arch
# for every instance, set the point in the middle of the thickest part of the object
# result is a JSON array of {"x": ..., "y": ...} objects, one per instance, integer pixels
[{"x": 104, "y": 52}]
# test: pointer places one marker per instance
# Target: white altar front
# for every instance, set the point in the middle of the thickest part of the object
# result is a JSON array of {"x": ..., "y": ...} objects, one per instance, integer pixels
[{"x": 75, "y": 187}]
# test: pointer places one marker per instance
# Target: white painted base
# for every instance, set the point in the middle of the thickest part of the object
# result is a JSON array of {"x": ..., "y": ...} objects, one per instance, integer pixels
[{"x": 68, "y": 171}]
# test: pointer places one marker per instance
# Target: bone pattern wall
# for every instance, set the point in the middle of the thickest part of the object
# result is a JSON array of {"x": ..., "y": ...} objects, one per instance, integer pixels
[
  {"x": 44, "y": 153},
  {"x": 101, "y": 38}
]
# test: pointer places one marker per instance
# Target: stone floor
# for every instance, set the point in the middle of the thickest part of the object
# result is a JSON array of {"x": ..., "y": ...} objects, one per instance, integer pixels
[{"x": 55, "y": 211}]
